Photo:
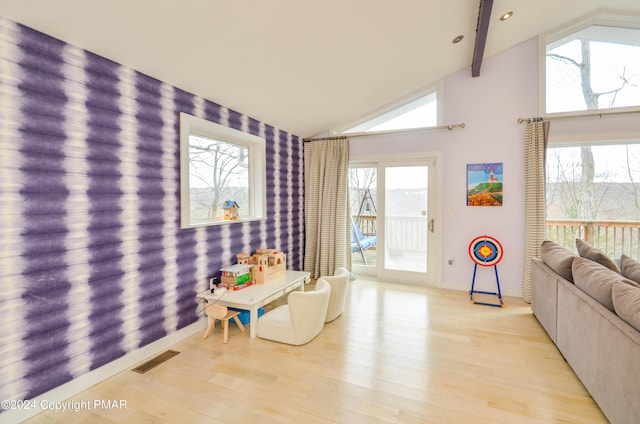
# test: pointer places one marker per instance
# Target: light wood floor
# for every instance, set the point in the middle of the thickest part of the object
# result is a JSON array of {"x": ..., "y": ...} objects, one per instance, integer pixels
[{"x": 398, "y": 354}]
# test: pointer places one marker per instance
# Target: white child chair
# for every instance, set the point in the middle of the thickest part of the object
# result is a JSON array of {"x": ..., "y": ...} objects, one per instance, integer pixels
[
  {"x": 339, "y": 284},
  {"x": 300, "y": 320}
]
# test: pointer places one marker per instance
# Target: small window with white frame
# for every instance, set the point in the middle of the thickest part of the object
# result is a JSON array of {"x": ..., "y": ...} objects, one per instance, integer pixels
[
  {"x": 222, "y": 174},
  {"x": 592, "y": 66}
]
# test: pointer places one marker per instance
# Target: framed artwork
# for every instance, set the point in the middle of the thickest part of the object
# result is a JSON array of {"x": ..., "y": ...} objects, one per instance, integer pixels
[{"x": 484, "y": 184}]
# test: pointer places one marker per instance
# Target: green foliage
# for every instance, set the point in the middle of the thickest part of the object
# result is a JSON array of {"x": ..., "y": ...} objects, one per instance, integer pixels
[{"x": 487, "y": 187}]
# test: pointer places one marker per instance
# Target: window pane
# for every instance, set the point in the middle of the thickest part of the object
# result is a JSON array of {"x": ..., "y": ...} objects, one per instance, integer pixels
[
  {"x": 419, "y": 113},
  {"x": 363, "y": 196},
  {"x": 406, "y": 218},
  {"x": 594, "y": 182},
  {"x": 595, "y": 68},
  {"x": 219, "y": 172}
]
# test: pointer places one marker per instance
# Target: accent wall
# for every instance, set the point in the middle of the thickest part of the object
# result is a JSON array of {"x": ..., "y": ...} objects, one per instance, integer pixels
[{"x": 93, "y": 263}]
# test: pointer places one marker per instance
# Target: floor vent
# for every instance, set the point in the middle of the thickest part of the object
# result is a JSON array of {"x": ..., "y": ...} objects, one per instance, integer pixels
[{"x": 154, "y": 362}]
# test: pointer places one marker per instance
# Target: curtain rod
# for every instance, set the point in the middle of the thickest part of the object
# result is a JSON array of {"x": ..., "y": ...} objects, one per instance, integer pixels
[
  {"x": 340, "y": 137},
  {"x": 550, "y": 118},
  {"x": 530, "y": 120},
  {"x": 372, "y": 133}
]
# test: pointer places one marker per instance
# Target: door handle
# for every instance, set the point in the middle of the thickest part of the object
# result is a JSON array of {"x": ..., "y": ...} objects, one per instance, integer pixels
[{"x": 431, "y": 225}]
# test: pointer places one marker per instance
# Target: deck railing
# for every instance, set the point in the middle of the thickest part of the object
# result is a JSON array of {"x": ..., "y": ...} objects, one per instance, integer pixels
[
  {"x": 612, "y": 237},
  {"x": 367, "y": 224},
  {"x": 404, "y": 233}
]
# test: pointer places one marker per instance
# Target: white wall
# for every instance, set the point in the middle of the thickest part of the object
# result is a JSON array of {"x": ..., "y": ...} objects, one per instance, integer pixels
[{"x": 489, "y": 105}]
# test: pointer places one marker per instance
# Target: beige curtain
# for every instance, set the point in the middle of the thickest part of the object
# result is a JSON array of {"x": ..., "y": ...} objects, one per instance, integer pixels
[
  {"x": 536, "y": 136},
  {"x": 326, "y": 206}
]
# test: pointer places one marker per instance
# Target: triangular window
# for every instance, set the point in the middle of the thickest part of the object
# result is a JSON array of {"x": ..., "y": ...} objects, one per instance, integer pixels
[
  {"x": 419, "y": 113},
  {"x": 594, "y": 67}
]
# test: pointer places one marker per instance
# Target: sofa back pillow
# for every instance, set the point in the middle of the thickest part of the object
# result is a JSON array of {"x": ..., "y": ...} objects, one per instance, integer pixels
[
  {"x": 595, "y": 280},
  {"x": 588, "y": 251},
  {"x": 558, "y": 258},
  {"x": 626, "y": 300},
  {"x": 630, "y": 268}
]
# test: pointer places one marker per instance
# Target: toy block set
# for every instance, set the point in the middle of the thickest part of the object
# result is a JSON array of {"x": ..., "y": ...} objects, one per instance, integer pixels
[
  {"x": 236, "y": 277},
  {"x": 266, "y": 264},
  {"x": 263, "y": 266}
]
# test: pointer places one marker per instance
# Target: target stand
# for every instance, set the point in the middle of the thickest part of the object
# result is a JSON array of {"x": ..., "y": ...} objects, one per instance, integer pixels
[{"x": 485, "y": 251}]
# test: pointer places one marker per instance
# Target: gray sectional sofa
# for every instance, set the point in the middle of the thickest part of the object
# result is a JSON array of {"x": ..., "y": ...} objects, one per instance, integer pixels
[{"x": 590, "y": 308}]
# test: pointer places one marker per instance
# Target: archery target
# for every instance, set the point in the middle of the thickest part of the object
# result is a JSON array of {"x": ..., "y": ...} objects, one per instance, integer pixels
[{"x": 485, "y": 251}]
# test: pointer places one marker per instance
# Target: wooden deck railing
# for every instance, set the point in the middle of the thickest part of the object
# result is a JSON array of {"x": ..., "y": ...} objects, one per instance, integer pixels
[
  {"x": 367, "y": 224},
  {"x": 612, "y": 237}
]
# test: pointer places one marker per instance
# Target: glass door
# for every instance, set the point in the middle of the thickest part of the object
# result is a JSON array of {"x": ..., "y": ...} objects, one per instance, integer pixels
[
  {"x": 406, "y": 219},
  {"x": 363, "y": 195},
  {"x": 395, "y": 226}
]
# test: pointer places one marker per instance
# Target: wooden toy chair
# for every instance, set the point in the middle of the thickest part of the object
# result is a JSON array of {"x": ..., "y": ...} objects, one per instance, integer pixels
[{"x": 215, "y": 312}]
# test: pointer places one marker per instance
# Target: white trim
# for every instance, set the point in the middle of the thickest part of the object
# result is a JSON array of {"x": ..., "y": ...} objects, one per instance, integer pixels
[{"x": 85, "y": 381}]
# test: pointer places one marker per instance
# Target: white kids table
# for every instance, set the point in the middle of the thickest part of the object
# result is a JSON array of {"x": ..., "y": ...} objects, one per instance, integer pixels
[{"x": 256, "y": 296}]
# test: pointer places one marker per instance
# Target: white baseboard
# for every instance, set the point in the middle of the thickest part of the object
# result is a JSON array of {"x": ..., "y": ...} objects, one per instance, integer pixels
[{"x": 85, "y": 381}]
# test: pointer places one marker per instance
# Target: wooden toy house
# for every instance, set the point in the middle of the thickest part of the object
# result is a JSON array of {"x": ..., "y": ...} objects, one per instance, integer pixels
[
  {"x": 230, "y": 209},
  {"x": 268, "y": 264}
]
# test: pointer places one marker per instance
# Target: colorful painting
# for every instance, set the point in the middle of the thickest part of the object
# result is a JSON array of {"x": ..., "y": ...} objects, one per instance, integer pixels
[{"x": 484, "y": 184}]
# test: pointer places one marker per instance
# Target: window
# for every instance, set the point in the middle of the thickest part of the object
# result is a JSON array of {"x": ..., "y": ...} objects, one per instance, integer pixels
[
  {"x": 593, "y": 66},
  {"x": 417, "y": 113},
  {"x": 593, "y": 193},
  {"x": 222, "y": 174},
  {"x": 598, "y": 182}
]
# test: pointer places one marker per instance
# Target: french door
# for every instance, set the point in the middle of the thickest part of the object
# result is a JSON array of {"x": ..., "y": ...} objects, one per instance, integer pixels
[{"x": 396, "y": 225}]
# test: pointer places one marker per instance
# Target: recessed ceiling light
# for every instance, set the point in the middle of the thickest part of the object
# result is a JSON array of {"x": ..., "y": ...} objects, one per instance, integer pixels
[
  {"x": 458, "y": 39},
  {"x": 506, "y": 16}
]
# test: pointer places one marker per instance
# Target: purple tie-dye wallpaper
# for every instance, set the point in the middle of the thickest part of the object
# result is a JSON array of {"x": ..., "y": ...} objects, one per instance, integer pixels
[{"x": 93, "y": 263}]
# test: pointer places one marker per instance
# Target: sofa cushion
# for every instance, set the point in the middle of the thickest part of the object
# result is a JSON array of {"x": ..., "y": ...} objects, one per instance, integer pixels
[
  {"x": 595, "y": 280},
  {"x": 588, "y": 251},
  {"x": 558, "y": 258},
  {"x": 626, "y": 301},
  {"x": 630, "y": 268}
]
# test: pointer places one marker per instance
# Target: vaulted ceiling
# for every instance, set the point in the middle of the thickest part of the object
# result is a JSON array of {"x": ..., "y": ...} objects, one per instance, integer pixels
[{"x": 304, "y": 66}]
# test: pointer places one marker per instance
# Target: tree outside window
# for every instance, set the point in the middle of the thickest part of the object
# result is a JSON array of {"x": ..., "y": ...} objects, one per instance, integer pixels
[{"x": 219, "y": 171}]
